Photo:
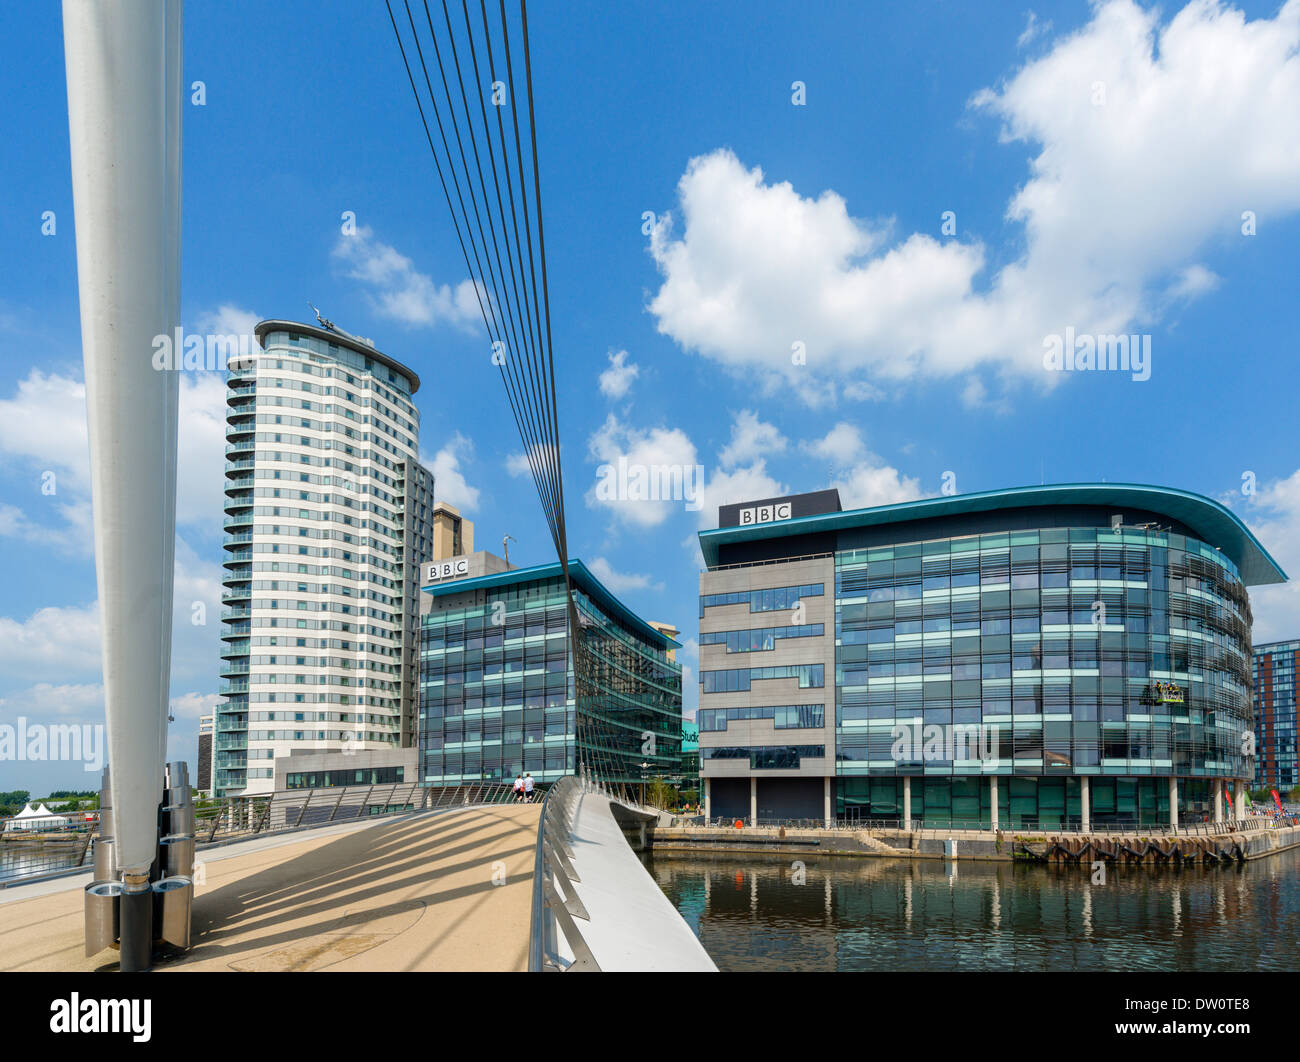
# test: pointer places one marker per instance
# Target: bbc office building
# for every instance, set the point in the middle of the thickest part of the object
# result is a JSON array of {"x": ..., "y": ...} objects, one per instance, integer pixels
[{"x": 1047, "y": 656}]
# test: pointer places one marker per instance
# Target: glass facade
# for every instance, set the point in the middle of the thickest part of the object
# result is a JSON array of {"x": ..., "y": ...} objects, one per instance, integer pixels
[
  {"x": 331, "y": 779},
  {"x": 498, "y": 698},
  {"x": 1276, "y": 764},
  {"x": 1122, "y": 655}
]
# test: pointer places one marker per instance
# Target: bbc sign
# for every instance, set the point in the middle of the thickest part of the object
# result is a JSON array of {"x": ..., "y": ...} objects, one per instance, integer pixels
[
  {"x": 762, "y": 514},
  {"x": 448, "y": 569}
]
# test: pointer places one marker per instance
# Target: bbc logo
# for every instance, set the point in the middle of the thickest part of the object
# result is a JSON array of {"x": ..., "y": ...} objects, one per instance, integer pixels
[
  {"x": 447, "y": 569},
  {"x": 762, "y": 514}
]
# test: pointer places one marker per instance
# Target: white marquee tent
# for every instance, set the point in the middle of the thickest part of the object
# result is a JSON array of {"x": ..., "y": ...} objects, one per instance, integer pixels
[{"x": 36, "y": 818}]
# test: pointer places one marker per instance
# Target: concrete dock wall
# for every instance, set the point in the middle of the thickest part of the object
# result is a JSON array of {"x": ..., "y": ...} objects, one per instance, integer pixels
[{"x": 936, "y": 844}]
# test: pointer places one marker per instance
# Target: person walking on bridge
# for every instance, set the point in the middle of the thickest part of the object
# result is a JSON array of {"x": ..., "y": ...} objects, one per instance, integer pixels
[
  {"x": 519, "y": 788},
  {"x": 528, "y": 788}
]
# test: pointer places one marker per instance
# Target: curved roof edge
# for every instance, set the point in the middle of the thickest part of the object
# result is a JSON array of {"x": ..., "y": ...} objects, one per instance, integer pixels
[
  {"x": 279, "y": 324},
  {"x": 581, "y": 575},
  {"x": 1212, "y": 522}
]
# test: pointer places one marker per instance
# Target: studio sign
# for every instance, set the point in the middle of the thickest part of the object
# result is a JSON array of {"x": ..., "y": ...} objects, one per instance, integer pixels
[
  {"x": 762, "y": 514},
  {"x": 448, "y": 569}
]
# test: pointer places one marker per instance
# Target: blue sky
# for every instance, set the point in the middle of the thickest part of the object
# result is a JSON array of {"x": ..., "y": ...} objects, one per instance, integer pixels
[{"x": 1101, "y": 163}]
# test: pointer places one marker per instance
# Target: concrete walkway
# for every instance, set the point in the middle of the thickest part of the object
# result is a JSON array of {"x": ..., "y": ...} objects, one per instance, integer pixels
[{"x": 447, "y": 890}]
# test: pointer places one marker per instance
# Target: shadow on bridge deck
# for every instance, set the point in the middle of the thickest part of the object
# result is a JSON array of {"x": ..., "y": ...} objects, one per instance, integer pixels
[{"x": 414, "y": 893}]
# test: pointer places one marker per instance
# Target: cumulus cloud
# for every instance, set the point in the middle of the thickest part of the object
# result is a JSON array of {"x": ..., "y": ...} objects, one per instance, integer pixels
[
  {"x": 620, "y": 582},
  {"x": 43, "y": 428},
  {"x": 450, "y": 484},
  {"x": 399, "y": 291},
  {"x": 60, "y": 641},
  {"x": 1151, "y": 139},
  {"x": 228, "y": 320},
  {"x": 640, "y": 470},
  {"x": 862, "y": 478},
  {"x": 1273, "y": 514},
  {"x": 751, "y": 438},
  {"x": 729, "y": 486},
  {"x": 617, "y": 379}
]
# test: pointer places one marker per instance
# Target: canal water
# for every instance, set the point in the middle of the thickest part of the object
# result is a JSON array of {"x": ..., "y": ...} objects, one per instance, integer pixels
[
  {"x": 765, "y": 912},
  {"x": 18, "y": 860}
]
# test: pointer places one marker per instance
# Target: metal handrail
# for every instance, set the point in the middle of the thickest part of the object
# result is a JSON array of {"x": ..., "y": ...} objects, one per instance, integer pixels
[
  {"x": 1198, "y": 829},
  {"x": 223, "y": 820},
  {"x": 556, "y": 903},
  {"x": 774, "y": 560}
]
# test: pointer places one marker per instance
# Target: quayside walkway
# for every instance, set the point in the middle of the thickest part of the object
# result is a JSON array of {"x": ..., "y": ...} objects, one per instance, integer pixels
[{"x": 435, "y": 890}]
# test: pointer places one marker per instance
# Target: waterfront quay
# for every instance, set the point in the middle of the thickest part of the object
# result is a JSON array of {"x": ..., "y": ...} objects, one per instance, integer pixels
[{"x": 1207, "y": 844}]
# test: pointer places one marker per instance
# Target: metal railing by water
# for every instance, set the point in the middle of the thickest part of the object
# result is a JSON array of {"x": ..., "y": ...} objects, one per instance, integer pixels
[
  {"x": 557, "y": 909},
  {"x": 223, "y": 820},
  {"x": 30, "y": 855},
  {"x": 1199, "y": 829}
]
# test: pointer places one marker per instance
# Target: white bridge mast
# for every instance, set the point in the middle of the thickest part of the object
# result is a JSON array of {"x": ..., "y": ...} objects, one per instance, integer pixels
[{"x": 125, "y": 95}]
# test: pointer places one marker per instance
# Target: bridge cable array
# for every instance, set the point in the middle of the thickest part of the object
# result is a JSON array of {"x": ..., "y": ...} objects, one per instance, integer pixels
[{"x": 497, "y": 214}]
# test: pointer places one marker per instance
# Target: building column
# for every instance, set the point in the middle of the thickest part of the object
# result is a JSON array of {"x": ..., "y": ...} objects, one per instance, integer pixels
[
  {"x": 708, "y": 802},
  {"x": 1218, "y": 800},
  {"x": 1173, "y": 802},
  {"x": 753, "y": 800},
  {"x": 993, "y": 798},
  {"x": 1239, "y": 798},
  {"x": 827, "y": 782},
  {"x": 1085, "y": 803},
  {"x": 907, "y": 801}
]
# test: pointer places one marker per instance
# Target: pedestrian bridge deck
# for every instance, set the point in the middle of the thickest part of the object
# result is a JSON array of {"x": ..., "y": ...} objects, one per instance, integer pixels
[{"x": 445, "y": 890}]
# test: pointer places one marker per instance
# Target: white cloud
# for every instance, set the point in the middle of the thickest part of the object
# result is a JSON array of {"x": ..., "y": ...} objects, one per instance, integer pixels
[
  {"x": 228, "y": 320},
  {"x": 862, "y": 478},
  {"x": 1274, "y": 517},
  {"x": 658, "y": 454},
  {"x": 1033, "y": 30},
  {"x": 1192, "y": 128},
  {"x": 521, "y": 464},
  {"x": 64, "y": 641},
  {"x": 1193, "y": 282},
  {"x": 726, "y": 487},
  {"x": 843, "y": 444},
  {"x": 867, "y": 485},
  {"x": 401, "y": 292},
  {"x": 617, "y": 379},
  {"x": 620, "y": 582},
  {"x": 61, "y": 641},
  {"x": 751, "y": 438},
  {"x": 43, "y": 426},
  {"x": 450, "y": 484},
  {"x": 189, "y": 706}
]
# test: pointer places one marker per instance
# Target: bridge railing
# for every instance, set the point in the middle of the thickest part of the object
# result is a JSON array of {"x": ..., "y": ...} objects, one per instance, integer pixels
[
  {"x": 556, "y": 906},
  {"x": 232, "y": 818}
]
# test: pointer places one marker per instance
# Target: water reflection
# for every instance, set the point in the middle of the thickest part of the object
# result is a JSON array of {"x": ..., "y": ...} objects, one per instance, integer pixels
[{"x": 884, "y": 914}]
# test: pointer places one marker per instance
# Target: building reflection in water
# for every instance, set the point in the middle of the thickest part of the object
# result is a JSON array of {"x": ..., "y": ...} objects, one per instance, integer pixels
[{"x": 751, "y": 913}]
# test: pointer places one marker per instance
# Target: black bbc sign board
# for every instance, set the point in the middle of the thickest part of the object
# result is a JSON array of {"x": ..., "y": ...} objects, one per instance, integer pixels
[{"x": 744, "y": 514}]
